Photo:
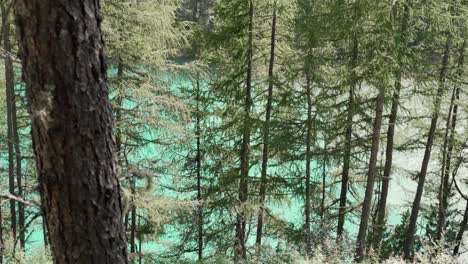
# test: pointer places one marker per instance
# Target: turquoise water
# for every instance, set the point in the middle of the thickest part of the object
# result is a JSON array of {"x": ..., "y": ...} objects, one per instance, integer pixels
[{"x": 291, "y": 209}]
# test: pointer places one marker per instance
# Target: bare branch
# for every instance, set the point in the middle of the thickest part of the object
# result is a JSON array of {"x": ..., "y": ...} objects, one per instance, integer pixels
[{"x": 19, "y": 199}]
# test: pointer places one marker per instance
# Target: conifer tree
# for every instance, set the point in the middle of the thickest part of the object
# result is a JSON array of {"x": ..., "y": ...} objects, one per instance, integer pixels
[
  {"x": 428, "y": 148},
  {"x": 401, "y": 46},
  {"x": 69, "y": 107}
]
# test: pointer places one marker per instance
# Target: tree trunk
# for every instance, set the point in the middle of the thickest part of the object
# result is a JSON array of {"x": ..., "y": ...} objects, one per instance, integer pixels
[
  {"x": 19, "y": 177},
  {"x": 308, "y": 191},
  {"x": 44, "y": 232},
  {"x": 411, "y": 230},
  {"x": 118, "y": 130},
  {"x": 239, "y": 246},
  {"x": 10, "y": 96},
  {"x": 199, "y": 186},
  {"x": 381, "y": 207},
  {"x": 366, "y": 207},
  {"x": 348, "y": 138},
  {"x": 14, "y": 136},
  {"x": 133, "y": 223},
  {"x": 18, "y": 158},
  {"x": 118, "y": 111},
  {"x": 461, "y": 231},
  {"x": 444, "y": 190},
  {"x": 61, "y": 49},
  {"x": 2, "y": 241},
  {"x": 324, "y": 179},
  {"x": 266, "y": 133},
  {"x": 140, "y": 255}
]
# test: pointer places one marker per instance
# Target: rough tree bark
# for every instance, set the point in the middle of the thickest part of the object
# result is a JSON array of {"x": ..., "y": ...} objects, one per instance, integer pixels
[
  {"x": 61, "y": 50},
  {"x": 366, "y": 207},
  {"x": 348, "y": 138},
  {"x": 266, "y": 133},
  {"x": 240, "y": 252},
  {"x": 411, "y": 230}
]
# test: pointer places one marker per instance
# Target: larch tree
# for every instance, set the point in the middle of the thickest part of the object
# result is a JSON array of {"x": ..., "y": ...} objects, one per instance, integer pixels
[
  {"x": 307, "y": 41},
  {"x": 352, "y": 82},
  {"x": 140, "y": 38},
  {"x": 440, "y": 92},
  {"x": 11, "y": 114},
  {"x": 400, "y": 50},
  {"x": 16, "y": 178},
  {"x": 61, "y": 49},
  {"x": 448, "y": 146},
  {"x": 266, "y": 130},
  {"x": 239, "y": 245},
  {"x": 261, "y": 121},
  {"x": 378, "y": 77}
]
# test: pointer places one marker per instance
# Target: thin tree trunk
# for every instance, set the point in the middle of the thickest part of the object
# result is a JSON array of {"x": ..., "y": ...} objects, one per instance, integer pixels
[
  {"x": 10, "y": 85},
  {"x": 118, "y": 130},
  {"x": 324, "y": 179},
  {"x": 308, "y": 191},
  {"x": 411, "y": 230},
  {"x": 9, "y": 81},
  {"x": 120, "y": 155},
  {"x": 44, "y": 232},
  {"x": 18, "y": 159},
  {"x": 240, "y": 252},
  {"x": 348, "y": 138},
  {"x": 2, "y": 241},
  {"x": 266, "y": 133},
  {"x": 200, "y": 220},
  {"x": 133, "y": 231},
  {"x": 366, "y": 207},
  {"x": 62, "y": 54},
  {"x": 133, "y": 222},
  {"x": 140, "y": 254},
  {"x": 461, "y": 231},
  {"x": 443, "y": 184},
  {"x": 19, "y": 175},
  {"x": 444, "y": 190},
  {"x": 118, "y": 111},
  {"x": 381, "y": 207}
]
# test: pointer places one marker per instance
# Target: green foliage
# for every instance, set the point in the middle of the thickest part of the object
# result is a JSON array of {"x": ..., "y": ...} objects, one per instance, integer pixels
[
  {"x": 173, "y": 82},
  {"x": 394, "y": 239}
]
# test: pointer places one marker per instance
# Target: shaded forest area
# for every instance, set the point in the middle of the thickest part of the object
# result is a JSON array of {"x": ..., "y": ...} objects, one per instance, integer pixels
[{"x": 233, "y": 131}]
